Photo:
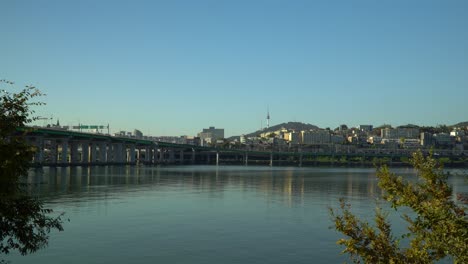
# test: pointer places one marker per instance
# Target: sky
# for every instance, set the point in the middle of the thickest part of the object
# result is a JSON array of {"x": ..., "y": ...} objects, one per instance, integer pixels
[{"x": 176, "y": 67}]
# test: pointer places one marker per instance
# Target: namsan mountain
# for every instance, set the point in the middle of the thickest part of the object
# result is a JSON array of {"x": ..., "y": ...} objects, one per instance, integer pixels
[{"x": 297, "y": 126}]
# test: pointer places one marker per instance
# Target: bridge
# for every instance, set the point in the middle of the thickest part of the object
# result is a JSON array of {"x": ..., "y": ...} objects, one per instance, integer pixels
[{"x": 70, "y": 148}]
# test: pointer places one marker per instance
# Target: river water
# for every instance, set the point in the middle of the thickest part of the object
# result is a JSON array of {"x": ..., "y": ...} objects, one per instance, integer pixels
[{"x": 202, "y": 214}]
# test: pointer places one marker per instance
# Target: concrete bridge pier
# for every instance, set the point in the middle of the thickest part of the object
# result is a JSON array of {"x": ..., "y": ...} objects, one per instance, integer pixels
[
  {"x": 161, "y": 156},
  {"x": 246, "y": 159},
  {"x": 217, "y": 158},
  {"x": 102, "y": 152},
  {"x": 74, "y": 154},
  {"x": 271, "y": 159},
  {"x": 131, "y": 153},
  {"x": 121, "y": 153},
  {"x": 39, "y": 155},
  {"x": 193, "y": 156},
  {"x": 53, "y": 152},
  {"x": 181, "y": 157},
  {"x": 155, "y": 155},
  {"x": 85, "y": 152},
  {"x": 93, "y": 152},
  {"x": 171, "y": 156},
  {"x": 147, "y": 155},
  {"x": 115, "y": 153},
  {"x": 64, "y": 152},
  {"x": 110, "y": 153}
]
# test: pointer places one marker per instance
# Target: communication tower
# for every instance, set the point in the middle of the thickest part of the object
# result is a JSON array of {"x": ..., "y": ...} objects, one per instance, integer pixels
[{"x": 268, "y": 118}]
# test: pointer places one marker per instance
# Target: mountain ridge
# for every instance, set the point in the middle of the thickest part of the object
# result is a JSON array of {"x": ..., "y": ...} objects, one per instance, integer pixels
[{"x": 298, "y": 126}]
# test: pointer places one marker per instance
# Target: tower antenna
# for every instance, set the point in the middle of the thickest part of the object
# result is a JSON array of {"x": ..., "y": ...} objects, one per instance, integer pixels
[{"x": 268, "y": 117}]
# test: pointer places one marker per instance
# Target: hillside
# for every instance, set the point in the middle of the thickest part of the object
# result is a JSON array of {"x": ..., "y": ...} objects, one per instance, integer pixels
[
  {"x": 298, "y": 126},
  {"x": 461, "y": 124}
]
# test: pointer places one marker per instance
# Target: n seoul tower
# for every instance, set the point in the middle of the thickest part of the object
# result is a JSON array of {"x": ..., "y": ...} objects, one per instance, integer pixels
[{"x": 268, "y": 117}]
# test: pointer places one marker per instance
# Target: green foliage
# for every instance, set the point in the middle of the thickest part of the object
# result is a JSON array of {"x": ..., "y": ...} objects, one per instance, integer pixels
[
  {"x": 24, "y": 222},
  {"x": 438, "y": 230},
  {"x": 15, "y": 154}
]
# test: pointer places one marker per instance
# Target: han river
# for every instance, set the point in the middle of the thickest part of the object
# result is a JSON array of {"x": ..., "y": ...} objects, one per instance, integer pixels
[{"x": 202, "y": 214}]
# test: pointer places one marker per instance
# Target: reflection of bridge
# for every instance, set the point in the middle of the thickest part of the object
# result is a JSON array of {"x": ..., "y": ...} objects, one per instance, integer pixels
[{"x": 64, "y": 148}]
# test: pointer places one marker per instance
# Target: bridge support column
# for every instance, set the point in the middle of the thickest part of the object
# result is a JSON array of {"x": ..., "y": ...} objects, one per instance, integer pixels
[
  {"x": 147, "y": 155},
  {"x": 161, "y": 155},
  {"x": 115, "y": 152},
  {"x": 138, "y": 154},
  {"x": 208, "y": 158},
  {"x": 271, "y": 159},
  {"x": 217, "y": 158},
  {"x": 131, "y": 154},
  {"x": 94, "y": 157},
  {"x": 246, "y": 159},
  {"x": 300, "y": 159},
  {"x": 110, "y": 153},
  {"x": 181, "y": 157},
  {"x": 39, "y": 155},
  {"x": 102, "y": 152},
  {"x": 74, "y": 154},
  {"x": 85, "y": 152},
  {"x": 155, "y": 155},
  {"x": 171, "y": 156},
  {"x": 193, "y": 157},
  {"x": 64, "y": 153},
  {"x": 124, "y": 153},
  {"x": 118, "y": 152},
  {"x": 53, "y": 152}
]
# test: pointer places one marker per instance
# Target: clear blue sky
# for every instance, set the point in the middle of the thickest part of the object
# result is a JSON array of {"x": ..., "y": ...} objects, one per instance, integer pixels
[{"x": 175, "y": 67}]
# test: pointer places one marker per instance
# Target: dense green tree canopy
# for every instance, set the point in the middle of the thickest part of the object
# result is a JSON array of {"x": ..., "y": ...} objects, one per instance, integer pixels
[
  {"x": 438, "y": 228},
  {"x": 24, "y": 222}
]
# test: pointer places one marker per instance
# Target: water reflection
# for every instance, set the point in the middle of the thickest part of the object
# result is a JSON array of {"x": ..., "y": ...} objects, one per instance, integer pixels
[
  {"x": 290, "y": 185},
  {"x": 200, "y": 214}
]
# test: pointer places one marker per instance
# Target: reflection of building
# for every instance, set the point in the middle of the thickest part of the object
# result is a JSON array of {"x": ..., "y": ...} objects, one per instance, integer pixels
[{"x": 211, "y": 134}]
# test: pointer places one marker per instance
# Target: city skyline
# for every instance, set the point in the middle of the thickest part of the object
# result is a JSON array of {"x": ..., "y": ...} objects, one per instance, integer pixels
[{"x": 173, "y": 68}]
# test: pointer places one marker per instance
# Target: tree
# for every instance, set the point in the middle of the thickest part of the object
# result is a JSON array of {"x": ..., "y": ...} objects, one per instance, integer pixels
[
  {"x": 438, "y": 229},
  {"x": 24, "y": 222}
]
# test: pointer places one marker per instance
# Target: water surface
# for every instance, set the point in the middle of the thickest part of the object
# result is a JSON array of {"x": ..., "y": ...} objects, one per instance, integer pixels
[{"x": 201, "y": 214}]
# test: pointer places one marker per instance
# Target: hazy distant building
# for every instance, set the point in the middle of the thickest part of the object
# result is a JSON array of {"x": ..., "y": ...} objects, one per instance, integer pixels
[
  {"x": 138, "y": 134},
  {"x": 242, "y": 139},
  {"x": 292, "y": 137},
  {"x": 374, "y": 140},
  {"x": 427, "y": 139},
  {"x": 457, "y": 133},
  {"x": 315, "y": 137},
  {"x": 210, "y": 135},
  {"x": 442, "y": 139},
  {"x": 343, "y": 127},
  {"x": 366, "y": 128},
  {"x": 396, "y": 133},
  {"x": 337, "y": 139}
]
